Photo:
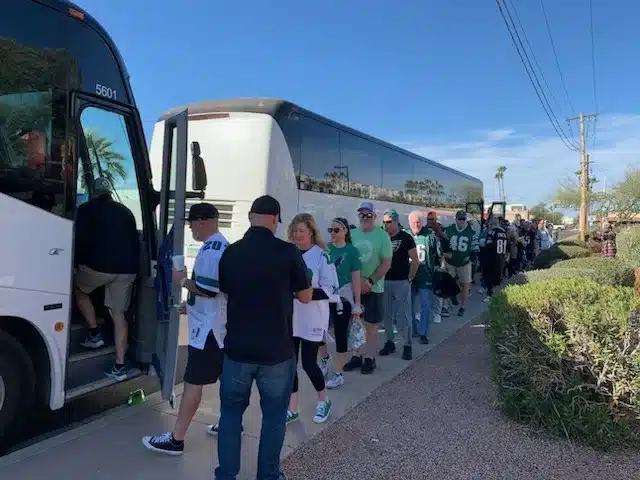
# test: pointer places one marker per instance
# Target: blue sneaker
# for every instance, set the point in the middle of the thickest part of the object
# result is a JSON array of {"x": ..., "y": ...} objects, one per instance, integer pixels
[
  {"x": 116, "y": 373},
  {"x": 93, "y": 341}
]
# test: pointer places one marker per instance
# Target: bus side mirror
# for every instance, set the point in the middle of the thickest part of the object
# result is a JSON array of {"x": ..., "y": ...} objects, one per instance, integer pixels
[{"x": 199, "y": 179}]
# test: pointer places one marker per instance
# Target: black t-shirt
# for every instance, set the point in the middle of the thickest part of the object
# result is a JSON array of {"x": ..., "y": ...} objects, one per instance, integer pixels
[
  {"x": 260, "y": 274},
  {"x": 497, "y": 244},
  {"x": 106, "y": 237},
  {"x": 530, "y": 238},
  {"x": 402, "y": 242}
]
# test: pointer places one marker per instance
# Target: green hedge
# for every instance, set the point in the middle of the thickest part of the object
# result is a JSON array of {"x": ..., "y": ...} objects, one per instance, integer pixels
[
  {"x": 628, "y": 245},
  {"x": 566, "y": 359},
  {"x": 551, "y": 274},
  {"x": 572, "y": 243},
  {"x": 609, "y": 271},
  {"x": 558, "y": 252}
]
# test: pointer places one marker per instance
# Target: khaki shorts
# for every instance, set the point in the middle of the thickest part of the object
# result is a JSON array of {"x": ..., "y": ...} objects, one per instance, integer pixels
[
  {"x": 464, "y": 274},
  {"x": 117, "y": 287}
]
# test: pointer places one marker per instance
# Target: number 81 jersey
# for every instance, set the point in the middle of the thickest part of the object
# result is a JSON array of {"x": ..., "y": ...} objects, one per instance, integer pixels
[{"x": 497, "y": 242}]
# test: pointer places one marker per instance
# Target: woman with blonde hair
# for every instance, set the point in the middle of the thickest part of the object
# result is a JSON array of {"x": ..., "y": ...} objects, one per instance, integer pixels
[{"x": 311, "y": 320}]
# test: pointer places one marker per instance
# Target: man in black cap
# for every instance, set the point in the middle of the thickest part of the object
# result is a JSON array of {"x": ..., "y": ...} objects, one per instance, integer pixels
[
  {"x": 206, "y": 326},
  {"x": 107, "y": 254},
  {"x": 261, "y": 275}
]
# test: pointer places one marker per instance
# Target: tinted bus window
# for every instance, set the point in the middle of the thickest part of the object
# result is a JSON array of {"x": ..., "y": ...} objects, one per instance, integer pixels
[
  {"x": 397, "y": 175},
  {"x": 361, "y": 165},
  {"x": 320, "y": 156}
]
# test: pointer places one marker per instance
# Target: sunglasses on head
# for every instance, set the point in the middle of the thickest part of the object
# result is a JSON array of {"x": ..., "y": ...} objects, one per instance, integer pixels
[
  {"x": 333, "y": 230},
  {"x": 365, "y": 215}
]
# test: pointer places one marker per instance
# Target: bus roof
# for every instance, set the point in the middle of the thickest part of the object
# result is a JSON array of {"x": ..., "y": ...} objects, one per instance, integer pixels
[
  {"x": 63, "y": 7},
  {"x": 276, "y": 107}
]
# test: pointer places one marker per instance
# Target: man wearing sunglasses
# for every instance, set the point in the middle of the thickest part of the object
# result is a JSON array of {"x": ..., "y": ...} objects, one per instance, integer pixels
[
  {"x": 397, "y": 284},
  {"x": 374, "y": 247}
]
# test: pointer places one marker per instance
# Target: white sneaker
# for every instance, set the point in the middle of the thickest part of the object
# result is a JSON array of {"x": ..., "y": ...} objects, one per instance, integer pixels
[
  {"x": 324, "y": 365},
  {"x": 486, "y": 300},
  {"x": 437, "y": 319},
  {"x": 336, "y": 381}
]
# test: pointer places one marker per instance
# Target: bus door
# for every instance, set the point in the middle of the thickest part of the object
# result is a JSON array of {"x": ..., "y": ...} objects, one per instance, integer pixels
[
  {"x": 171, "y": 224},
  {"x": 476, "y": 210},
  {"x": 498, "y": 209}
]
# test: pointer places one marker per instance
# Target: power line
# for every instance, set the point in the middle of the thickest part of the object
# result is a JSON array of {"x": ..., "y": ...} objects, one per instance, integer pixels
[
  {"x": 535, "y": 60},
  {"x": 593, "y": 55},
  {"x": 555, "y": 54},
  {"x": 535, "y": 82}
]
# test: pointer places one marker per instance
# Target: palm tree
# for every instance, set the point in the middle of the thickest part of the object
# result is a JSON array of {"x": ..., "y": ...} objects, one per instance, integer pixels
[
  {"x": 499, "y": 176},
  {"x": 107, "y": 162}
]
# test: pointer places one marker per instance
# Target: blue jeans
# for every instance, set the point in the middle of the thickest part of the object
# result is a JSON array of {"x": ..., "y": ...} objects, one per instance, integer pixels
[
  {"x": 275, "y": 383},
  {"x": 420, "y": 309}
]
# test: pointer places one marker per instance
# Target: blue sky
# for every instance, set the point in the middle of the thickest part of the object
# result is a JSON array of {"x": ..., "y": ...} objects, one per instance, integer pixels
[{"x": 441, "y": 78}]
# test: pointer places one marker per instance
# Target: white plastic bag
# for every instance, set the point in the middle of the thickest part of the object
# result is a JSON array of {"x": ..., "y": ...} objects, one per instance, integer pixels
[{"x": 356, "y": 335}]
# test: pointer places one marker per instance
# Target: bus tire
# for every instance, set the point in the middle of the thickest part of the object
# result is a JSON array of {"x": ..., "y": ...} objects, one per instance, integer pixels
[{"x": 17, "y": 385}]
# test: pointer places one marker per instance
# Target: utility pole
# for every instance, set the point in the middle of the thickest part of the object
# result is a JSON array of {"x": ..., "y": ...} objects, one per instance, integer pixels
[{"x": 584, "y": 174}]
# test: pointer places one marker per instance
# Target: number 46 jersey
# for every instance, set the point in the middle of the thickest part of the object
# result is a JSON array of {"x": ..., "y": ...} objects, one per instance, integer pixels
[{"x": 497, "y": 244}]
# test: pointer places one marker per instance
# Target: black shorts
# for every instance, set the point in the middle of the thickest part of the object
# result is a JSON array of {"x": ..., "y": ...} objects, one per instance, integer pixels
[
  {"x": 204, "y": 366},
  {"x": 373, "y": 304}
]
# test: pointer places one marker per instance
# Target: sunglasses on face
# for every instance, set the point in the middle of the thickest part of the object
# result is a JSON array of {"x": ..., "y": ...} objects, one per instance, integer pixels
[
  {"x": 387, "y": 222},
  {"x": 362, "y": 216},
  {"x": 333, "y": 230}
]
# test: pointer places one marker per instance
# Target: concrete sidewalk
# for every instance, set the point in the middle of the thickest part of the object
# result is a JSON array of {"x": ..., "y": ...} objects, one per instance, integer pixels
[
  {"x": 436, "y": 421},
  {"x": 110, "y": 446}
]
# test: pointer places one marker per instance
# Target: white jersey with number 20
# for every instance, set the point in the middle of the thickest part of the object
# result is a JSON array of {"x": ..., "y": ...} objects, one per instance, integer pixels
[{"x": 311, "y": 320}]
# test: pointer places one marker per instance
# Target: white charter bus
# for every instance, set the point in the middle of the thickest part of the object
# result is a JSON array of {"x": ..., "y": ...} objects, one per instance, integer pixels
[
  {"x": 258, "y": 146},
  {"x": 67, "y": 115}
]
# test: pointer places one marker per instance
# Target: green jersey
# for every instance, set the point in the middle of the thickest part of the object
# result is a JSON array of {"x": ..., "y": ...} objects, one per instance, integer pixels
[
  {"x": 429, "y": 254},
  {"x": 346, "y": 259},
  {"x": 463, "y": 243},
  {"x": 373, "y": 246}
]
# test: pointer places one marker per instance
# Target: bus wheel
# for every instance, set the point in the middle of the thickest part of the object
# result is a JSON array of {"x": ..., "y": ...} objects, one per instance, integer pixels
[{"x": 17, "y": 384}]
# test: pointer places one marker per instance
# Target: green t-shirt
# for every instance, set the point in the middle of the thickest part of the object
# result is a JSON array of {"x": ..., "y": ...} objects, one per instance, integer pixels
[
  {"x": 373, "y": 246},
  {"x": 429, "y": 254},
  {"x": 463, "y": 242},
  {"x": 346, "y": 259}
]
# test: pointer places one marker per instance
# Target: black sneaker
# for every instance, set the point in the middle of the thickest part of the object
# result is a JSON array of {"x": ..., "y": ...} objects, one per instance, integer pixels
[
  {"x": 406, "y": 352},
  {"x": 424, "y": 340},
  {"x": 389, "y": 348},
  {"x": 215, "y": 428},
  {"x": 444, "y": 313},
  {"x": 164, "y": 443},
  {"x": 368, "y": 366},
  {"x": 461, "y": 312},
  {"x": 353, "y": 364}
]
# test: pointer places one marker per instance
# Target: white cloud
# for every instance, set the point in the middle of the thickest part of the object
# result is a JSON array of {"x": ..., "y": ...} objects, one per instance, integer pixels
[{"x": 536, "y": 163}]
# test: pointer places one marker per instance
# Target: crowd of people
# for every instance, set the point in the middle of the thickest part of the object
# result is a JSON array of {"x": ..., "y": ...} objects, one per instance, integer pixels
[
  {"x": 259, "y": 306},
  {"x": 295, "y": 296}
]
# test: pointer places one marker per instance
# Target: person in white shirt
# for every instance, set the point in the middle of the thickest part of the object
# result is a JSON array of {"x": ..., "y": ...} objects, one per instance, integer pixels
[
  {"x": 311, "y": 320},
  {"x": 206, "y": 325}
]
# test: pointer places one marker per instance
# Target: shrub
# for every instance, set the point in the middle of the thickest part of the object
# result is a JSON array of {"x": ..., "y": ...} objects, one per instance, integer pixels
[
  {"x": 572, "y": 243},
  {"x": 628, "y": 245},
  {"x": 566, "y": 358},
  {"x": 558, "y": 252},
  {"x": 554, "y": 273},
  {"x": 609, "y": 271}
]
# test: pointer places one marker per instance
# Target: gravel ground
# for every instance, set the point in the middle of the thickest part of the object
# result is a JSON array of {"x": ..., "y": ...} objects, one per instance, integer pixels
[{"x": 436, "y": 421}]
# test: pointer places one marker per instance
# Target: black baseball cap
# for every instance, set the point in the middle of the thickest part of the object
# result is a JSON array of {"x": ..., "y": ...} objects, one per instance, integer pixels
[
  {"x": 202, "y": 211},
  {"x": 266, "y": 205},
  {"x": 461, "y": 215}
]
